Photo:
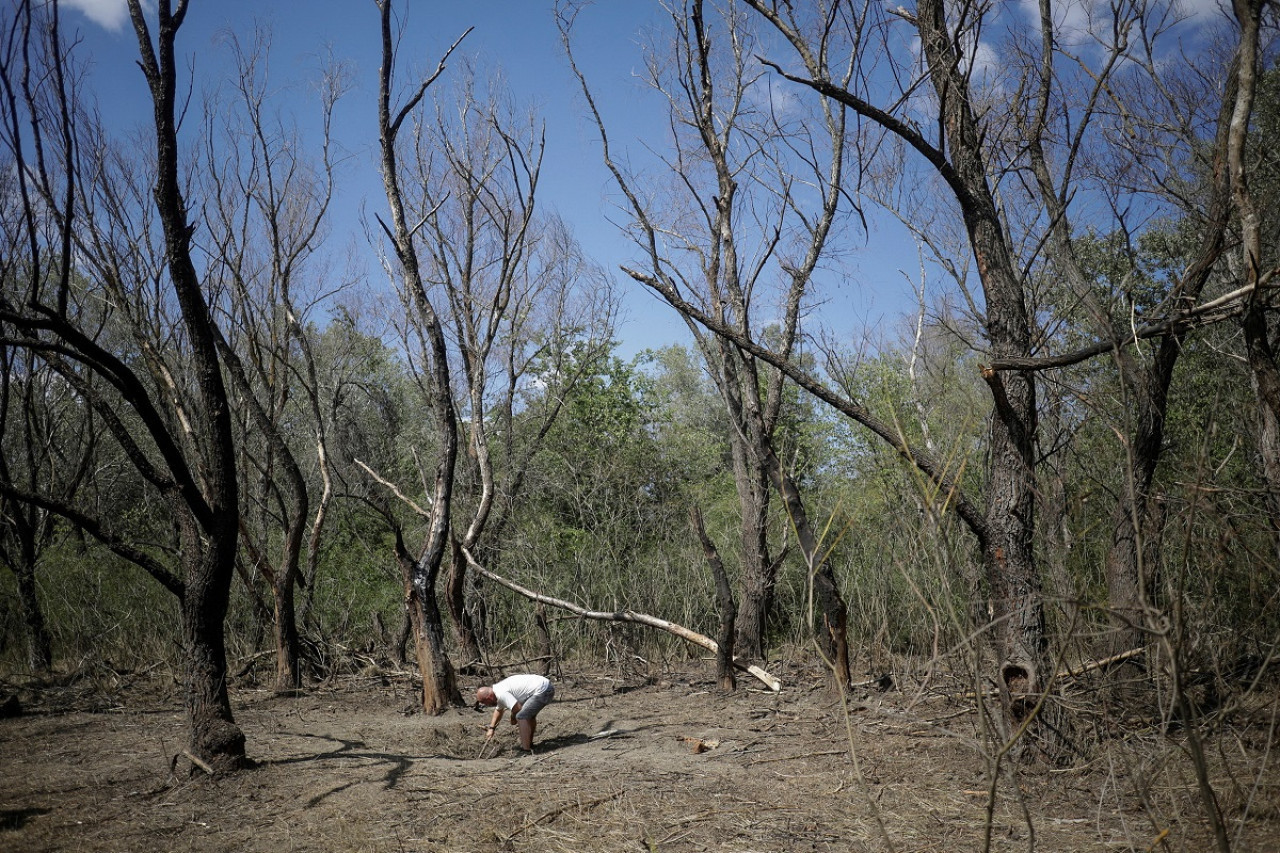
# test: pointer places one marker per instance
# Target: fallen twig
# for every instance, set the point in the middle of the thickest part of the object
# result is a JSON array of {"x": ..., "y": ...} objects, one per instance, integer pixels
[
  {"x": 198, "y": 762},
  {"x": 553, "y": 812},
  {"x": 793, "y": 757}
]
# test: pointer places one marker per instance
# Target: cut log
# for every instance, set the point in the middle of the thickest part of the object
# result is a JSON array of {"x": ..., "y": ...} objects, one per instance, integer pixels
[{"x": 625, "y": 616}]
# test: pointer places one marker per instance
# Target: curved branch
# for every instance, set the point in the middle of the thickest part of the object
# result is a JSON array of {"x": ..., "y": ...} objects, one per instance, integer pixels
[
  {"x": 624, "y": 616},
  {"x": 94, "y": 528}
]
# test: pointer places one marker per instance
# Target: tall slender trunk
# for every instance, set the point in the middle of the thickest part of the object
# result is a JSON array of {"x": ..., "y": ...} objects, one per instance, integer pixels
[
  {"x": 439, "y": 689},
  {"x": 759, "y": 572},
  {"x": 211, "y": 509},
  {"x": 464, "y": 628}
]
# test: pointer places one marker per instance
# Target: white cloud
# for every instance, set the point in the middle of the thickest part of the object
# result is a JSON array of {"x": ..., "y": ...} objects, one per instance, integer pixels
[
  {"x": 774, "y": 95},
  {"x": 109, "y": 14},
  {"x": 1079, "y": 21}
]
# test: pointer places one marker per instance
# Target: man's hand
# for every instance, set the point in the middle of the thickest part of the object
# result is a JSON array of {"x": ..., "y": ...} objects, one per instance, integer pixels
[{"x": 489, "y": 732}]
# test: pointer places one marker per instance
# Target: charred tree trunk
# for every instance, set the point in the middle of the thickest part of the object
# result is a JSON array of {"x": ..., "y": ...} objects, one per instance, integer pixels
[
  {"x": 215, "y": 737},
  {"x": 210, "y": 502},
  {"x": 759, "y": 573},
  {"x": 439, "y": 681}
]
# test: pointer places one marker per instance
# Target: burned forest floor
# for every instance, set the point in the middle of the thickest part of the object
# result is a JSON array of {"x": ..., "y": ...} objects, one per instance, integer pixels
[{"x": 655, "y": 761}]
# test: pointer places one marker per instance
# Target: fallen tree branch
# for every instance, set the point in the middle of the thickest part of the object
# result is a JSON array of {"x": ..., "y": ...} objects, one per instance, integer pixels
[
  {"x": 1078, "y": 671},
  {"x": 624, "y": 616}
]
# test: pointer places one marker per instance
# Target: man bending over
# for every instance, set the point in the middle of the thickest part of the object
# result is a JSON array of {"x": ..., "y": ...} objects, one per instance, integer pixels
[{"x": 524, "y": 696}]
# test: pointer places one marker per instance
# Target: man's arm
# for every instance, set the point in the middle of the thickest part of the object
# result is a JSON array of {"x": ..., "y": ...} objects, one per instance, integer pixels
[{"x": 493, "y": 723}]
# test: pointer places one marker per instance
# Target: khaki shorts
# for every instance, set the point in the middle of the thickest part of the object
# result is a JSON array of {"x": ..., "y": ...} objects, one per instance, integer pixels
[{"x": 537, "y": 702}]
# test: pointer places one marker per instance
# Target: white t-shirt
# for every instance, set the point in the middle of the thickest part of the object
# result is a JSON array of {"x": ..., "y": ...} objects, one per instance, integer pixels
[{"x": 518, "y": 689}]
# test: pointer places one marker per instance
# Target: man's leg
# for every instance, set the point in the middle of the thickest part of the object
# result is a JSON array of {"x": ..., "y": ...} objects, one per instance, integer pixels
[{"x": 527, "y": 728}]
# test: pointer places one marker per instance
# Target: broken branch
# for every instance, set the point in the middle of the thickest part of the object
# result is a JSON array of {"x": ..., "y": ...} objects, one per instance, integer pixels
[{"x": 625, "y": 616}]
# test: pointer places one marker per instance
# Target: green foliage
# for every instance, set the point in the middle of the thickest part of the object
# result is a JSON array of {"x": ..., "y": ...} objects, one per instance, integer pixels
[{"x": 98, "y": 608}]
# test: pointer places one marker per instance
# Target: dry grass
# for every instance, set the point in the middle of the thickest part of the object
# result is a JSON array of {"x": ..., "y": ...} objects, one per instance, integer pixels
[{"x": 348, "y": 767}]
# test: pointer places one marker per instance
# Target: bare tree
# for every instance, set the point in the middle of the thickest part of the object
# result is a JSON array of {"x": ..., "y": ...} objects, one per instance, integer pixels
[
  {"x": 975, "y": 153},
  {"x": 172, "y": 419},
  {"x": 520, "y": 298},
  {"x": 266, "y": 211},
  {"x": 430, "y": 354},
  {"x": 755, "y": 195},
  {"x": 1064, "y": 151}
]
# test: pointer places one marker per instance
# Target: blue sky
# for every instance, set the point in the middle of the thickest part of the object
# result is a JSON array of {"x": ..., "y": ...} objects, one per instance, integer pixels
[{"x": 520, "y": 36}]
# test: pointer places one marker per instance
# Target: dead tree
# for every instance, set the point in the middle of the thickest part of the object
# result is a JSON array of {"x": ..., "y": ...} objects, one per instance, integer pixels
[
  {"x": 421, "y": 568},
  {"x": 741, "y": 234}
]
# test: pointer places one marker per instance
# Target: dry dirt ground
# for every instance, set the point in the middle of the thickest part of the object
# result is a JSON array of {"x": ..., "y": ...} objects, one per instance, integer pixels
[{"x": 349, "y": 766}]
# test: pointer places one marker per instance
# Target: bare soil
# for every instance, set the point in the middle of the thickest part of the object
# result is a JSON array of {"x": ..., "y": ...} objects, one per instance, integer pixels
[{"x": 640, "y": 762}]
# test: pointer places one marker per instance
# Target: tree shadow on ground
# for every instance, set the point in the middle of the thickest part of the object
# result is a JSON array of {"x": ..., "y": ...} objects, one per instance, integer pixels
[
  {"x": 398, "y": 764},
  {"x": 11, "y": 819}
]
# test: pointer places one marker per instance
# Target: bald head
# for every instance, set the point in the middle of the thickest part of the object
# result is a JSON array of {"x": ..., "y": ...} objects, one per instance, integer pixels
[{"x": 485, "y": 696}]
